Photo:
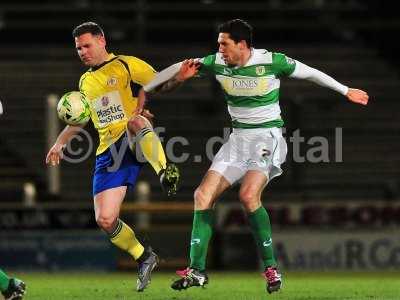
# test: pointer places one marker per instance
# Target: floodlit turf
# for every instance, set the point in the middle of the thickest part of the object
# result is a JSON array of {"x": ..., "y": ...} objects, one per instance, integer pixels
[{"x": 226, "y": 286}]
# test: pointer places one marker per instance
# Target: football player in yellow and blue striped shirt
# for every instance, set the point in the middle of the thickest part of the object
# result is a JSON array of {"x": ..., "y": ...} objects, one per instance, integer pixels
[{"x": 113, "y": 88}]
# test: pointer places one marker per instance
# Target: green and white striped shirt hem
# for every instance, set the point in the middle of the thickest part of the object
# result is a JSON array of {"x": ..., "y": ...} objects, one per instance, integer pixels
[{"x": 269, "y": 124}]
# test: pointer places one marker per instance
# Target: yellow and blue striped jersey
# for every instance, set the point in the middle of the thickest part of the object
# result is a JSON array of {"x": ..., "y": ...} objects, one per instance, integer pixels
[{"x": 112, "y": 89}]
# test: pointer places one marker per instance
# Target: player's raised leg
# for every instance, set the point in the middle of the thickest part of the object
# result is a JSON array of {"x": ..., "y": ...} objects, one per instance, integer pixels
[
  {"x": 250, "y": 196},
  {"x": 11, "y": 288},
  {"x": 212, "y": 185},
  {"x": 154, "y": 153},
  {"x": 107, "y": 205}
]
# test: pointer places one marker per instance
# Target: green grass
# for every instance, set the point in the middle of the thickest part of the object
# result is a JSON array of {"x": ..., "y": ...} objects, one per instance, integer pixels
[{"x": 225, "y": 286}]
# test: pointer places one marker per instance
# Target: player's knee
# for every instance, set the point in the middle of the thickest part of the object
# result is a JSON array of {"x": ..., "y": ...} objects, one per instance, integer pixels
[
  {"x": 248, "y": 199},
  {"x": 107, "y": 223},
  {"x": 202, "y": 199},
  {"x": 136, "y": 124}
]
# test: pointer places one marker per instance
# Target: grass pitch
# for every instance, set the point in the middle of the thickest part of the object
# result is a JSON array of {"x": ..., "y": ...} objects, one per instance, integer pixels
[{"x": 225, "y": 286}]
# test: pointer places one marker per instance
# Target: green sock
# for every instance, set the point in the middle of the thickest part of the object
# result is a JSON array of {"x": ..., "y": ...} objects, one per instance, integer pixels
[
  {"x": 4, "y": 281},
  {"x": 201, "y": 234},
  {"x": 261, "y": 228}
]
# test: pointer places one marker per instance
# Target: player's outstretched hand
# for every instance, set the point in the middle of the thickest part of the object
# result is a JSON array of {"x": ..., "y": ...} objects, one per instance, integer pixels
[
  {"x": 55, "y": 154},
  {"x": 188, "y": 69},
  {"x": 358, "y": 96}
]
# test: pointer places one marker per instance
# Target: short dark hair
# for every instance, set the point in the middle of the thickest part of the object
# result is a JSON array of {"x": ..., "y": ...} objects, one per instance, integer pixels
[
  {"x": 238, "y": 30},
  {"x": 87, "y": 27}
]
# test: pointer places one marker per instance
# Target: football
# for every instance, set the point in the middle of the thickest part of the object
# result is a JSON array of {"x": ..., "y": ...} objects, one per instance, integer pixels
[{"x": 73, "y": 108}]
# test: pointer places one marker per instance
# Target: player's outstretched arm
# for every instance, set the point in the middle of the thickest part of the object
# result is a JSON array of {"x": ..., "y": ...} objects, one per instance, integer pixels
[
  {"x": 171, "y": 77},
  {"x": 56, "y": 151},
  {"x": 303, "y": 71},
  {"x": 357, "y": 96}
]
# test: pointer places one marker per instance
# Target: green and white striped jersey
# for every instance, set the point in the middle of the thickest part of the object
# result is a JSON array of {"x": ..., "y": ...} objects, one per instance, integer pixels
[{"x": 252, "y": 90}]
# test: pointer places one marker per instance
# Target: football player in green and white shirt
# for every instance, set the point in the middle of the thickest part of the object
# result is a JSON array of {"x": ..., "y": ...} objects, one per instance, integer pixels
[{"x": 256, "y": 149}]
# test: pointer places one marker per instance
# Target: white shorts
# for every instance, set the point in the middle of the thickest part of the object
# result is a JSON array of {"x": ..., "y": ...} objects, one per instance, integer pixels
[{"x": 262, "y": 149}]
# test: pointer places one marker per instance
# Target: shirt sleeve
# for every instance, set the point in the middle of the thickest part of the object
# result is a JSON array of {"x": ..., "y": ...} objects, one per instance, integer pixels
[
  {"x": 282, "y": 64},
  {"x": 207, "y": 65},
  {"x": 141, "y": 72},
  {"x": 303, "y": 71},
  {"x": 163, "y": 76}
]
